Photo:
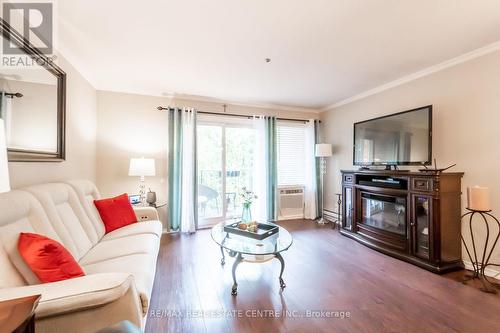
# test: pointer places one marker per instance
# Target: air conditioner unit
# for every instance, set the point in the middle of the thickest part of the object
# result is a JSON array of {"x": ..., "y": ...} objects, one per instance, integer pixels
[{"x": 291, "y": 203}]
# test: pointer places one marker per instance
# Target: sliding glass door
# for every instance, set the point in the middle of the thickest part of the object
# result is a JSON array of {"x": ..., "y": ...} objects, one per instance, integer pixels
[
  {"x": 225, "y": 166},
  {"x": 210, "y": 166}
]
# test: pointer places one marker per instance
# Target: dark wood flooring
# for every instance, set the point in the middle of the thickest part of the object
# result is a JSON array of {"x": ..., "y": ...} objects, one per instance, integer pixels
[{"x": 324, "y": 271}]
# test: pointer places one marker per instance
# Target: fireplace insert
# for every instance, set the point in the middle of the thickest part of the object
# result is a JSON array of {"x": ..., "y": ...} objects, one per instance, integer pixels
[{"x": 384, "y": 212}]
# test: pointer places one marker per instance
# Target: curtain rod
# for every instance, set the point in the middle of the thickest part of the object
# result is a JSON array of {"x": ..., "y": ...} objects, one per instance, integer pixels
[{"x": 161, "y": 108}]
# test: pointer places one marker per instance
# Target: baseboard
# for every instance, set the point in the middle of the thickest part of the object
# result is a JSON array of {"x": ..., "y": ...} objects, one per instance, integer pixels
[
  {"x": 488, "y": 271},
  {"x": 291, "y": 217},
  {"x": 331, "y": 216}
]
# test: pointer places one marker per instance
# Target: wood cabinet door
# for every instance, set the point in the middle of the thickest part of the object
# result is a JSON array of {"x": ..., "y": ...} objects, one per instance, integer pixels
[{"x": 421, "y": 226}]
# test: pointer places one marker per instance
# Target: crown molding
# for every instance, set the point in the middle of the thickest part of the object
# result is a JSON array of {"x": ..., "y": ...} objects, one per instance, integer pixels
[
  {"x": 422, "y": 73},
  {"x": 197, "y": 98}
]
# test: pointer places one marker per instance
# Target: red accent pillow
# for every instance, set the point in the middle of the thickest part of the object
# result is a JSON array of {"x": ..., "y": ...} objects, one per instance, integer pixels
[
  {"x": 47, "y": 258},
  {"x": 116, "y": 212}
]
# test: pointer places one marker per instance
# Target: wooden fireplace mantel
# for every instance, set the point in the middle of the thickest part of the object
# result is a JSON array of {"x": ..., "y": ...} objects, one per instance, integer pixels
[{"x": 428, "y": 235}]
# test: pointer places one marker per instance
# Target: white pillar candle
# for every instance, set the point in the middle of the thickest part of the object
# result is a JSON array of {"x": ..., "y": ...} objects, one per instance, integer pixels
[{"x": 478, "y": 198}]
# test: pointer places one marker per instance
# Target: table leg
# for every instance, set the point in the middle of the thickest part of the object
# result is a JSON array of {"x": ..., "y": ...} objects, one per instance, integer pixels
[
  {"x": 234, "y": 290},
  {"x": 280, "y": 258},
  {"x": 223, "y": 260}
]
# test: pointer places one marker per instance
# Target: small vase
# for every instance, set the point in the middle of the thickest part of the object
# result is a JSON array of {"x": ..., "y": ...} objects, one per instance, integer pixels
[{"x": 246, "y": 215}]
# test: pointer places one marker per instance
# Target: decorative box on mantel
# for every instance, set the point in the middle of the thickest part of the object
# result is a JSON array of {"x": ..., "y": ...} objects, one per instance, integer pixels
[{"x": 413, "y": 216}]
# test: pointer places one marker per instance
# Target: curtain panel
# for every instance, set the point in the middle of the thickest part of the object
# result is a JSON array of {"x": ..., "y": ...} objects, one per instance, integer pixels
[
  {"x": 271, "y": 155},
  {"x": 6, "y": 113},
  {"x": 312, "y": 188},
  {"x": 266, "y": 168},
  {"x": 317, "y": 169},
  {"x": 182, "y": 170}
]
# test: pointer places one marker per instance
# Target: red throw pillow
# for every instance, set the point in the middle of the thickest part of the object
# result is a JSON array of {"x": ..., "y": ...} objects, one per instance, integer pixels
[
  {"x": 47, "y": 258},
  {"x": 116, "y": 212}
]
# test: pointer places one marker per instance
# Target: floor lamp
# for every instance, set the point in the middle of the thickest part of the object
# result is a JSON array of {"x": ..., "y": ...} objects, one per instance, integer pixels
[
  {"x": 4, "y": 165},
  {"x": 323, "y": 150}
]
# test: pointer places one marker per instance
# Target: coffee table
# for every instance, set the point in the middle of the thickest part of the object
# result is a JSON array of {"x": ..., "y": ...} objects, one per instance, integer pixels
[{"x": 244, "y": 248}]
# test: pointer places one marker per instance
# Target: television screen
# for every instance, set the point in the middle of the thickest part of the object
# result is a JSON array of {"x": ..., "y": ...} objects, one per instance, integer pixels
[{"x": 403, "y": 138}]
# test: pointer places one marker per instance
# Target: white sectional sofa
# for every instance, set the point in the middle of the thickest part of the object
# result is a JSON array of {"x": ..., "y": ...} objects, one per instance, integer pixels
[{"x": 119, "y": 266}]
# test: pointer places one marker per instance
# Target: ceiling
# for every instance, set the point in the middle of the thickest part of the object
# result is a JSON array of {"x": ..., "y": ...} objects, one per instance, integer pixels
[{"x": 322, "y": 51}]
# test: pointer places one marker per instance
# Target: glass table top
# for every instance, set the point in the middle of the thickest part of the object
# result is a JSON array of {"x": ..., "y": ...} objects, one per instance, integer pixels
[{"x": 271, "y": 245}]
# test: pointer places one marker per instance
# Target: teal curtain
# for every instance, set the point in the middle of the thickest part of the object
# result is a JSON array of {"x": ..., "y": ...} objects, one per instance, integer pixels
[
  {"x": 182, "y": 170},
  {"x": 174, "y": 168},
  {"x": 271, "y": 158},
  {"x": 319, "y": 194}
]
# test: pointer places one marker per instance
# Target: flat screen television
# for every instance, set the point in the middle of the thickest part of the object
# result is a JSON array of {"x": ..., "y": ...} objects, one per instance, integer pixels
[{"x": 403, "y": 138}]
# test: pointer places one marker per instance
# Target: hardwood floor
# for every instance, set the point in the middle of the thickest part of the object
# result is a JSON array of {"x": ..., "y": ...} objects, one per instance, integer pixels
[{"x": 322, "y": 272}]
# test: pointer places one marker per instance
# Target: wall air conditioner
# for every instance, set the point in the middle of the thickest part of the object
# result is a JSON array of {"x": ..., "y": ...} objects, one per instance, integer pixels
[{"x": 291, "y": 203}]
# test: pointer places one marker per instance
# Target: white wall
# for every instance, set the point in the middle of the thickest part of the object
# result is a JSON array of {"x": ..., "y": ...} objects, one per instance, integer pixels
[
  {"x": 129, "y": 126},
  {"x": 81, "y": 113},
  {"x": 466, "y": 131}
]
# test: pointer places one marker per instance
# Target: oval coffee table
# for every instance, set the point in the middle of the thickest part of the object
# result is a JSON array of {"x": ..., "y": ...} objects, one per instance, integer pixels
[{"x": 244, "y": 247}]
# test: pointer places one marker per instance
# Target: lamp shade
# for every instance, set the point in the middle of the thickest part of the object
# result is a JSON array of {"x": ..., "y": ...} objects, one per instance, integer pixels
[
  {"x": 323, "y": 150},
  {"x": 142, "y": 167},
  {"x": 4, "y": 165}
]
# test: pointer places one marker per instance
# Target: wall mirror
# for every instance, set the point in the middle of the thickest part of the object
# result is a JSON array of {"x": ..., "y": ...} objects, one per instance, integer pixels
[{"x": 32, "y": 103}]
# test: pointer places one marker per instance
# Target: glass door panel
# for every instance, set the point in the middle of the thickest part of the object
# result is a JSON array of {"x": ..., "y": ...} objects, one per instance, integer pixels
[
  {"x": 239, "y": 166},
  {"x": 225, "y": 166},
  {"x": 210, "y": 174},
  {"x": 421, "y": 222},
  {"x": 348, "y": 208}
]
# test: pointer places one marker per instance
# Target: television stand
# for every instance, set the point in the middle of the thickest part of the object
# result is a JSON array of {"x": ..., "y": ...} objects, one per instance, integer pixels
[{"x": 411, "y": 216}]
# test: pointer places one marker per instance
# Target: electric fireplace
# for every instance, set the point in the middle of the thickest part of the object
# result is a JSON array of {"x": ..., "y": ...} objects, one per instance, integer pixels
[{"x": 413, "y": 216}]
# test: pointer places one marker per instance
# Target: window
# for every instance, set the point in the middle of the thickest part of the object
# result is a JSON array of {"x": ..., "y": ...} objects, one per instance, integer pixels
[{"x": 291, "y": 154}]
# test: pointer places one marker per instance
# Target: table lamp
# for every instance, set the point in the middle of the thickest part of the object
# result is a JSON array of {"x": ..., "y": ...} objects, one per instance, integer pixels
[
  {"x": 323, "y": 150},
  {"x": 4, "y": 165},
  {"x": 142, "y": 167}
]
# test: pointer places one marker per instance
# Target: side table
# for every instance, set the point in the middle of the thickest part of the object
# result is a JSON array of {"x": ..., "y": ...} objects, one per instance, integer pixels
[{"x": 18, "y": 315}]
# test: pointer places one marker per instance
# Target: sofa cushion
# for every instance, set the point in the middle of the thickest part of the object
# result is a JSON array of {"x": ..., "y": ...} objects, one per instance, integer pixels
[
  {"x": 141, "y": 266},
  {"x": 47, "y": 258},
  {"x": 115, "y": 212},
  {"x": 21, "y": 212},
  {"x": 146, "y": 227},
  {"x": 119, "y": 247},
  {"x": 87, "y": 192},
  {"x": 10, "y": 235},
  {"x": 67, "y": 216},
  {"x": 76, "y": 294}
]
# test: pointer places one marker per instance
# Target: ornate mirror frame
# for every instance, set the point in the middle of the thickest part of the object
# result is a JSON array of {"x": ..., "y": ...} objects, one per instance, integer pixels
[{"x": 22, "y": 155}]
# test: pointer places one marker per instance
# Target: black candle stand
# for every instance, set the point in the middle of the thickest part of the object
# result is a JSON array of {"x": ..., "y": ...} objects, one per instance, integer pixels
[{"x": 481, "y": 260}]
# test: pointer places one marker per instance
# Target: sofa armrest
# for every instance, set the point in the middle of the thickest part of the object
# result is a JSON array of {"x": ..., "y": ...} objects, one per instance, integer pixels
[
  {"x": 76, "y": 294},
  {"x": 146, "y": 213}
]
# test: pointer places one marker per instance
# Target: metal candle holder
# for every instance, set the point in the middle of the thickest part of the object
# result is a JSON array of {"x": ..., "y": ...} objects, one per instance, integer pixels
[
  {"x": 481, "y": 260},
  {"x": 338, "y": 220}
]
